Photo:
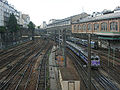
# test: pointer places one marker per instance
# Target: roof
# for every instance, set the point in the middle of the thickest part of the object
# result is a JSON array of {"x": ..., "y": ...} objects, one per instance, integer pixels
[
  {"x": 69, "y": 18},
  {"x": 59, "y": 21},
  {"x": 98, "y": 18},
  {"x": 68, "y": 74}
]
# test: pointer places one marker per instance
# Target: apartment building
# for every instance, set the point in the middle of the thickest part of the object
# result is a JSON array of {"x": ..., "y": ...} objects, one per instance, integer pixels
[
  {"x": 26, "y": 20},
  {"x": 66, "y": 21},
  {"x": 43, "y": 25},
  {"x": 6, "y": 9}
]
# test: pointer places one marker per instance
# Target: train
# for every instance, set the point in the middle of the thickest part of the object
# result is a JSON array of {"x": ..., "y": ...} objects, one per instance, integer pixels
[
  {"x": 83, "y": 54},
  {"x": 94, "y": 44},
  {"x": 83, "y": 42}
]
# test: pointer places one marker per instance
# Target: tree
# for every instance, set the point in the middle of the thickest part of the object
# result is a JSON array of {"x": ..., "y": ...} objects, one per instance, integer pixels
[
  {"x": 13, "y": 27},
  {"x": 38, "y": 27},
  {"x": 31, "y": 26},
  {"x": 12, "y": 24},
  {"x": 2, "y": 29}
]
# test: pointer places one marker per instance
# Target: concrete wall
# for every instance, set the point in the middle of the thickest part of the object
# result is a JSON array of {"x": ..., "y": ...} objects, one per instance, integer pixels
[{"x": 69, "y": 84}]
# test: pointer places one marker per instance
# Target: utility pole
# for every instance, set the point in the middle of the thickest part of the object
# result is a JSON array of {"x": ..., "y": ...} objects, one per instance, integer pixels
[
  {"x": 64, "y": 46},
  {"x": 108, "y": 58},
  {"x": 113, "y": 57},
  {"x": 55, "y": 37},
  {"x": 59, "y": 39},
  {"x": 89, "y": 62},
  {"x": 33, "y": 34}
]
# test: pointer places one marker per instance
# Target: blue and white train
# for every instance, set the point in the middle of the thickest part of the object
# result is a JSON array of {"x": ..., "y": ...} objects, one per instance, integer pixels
[
  {"x": 83, "y": 54},
  {"x": 83, "y": 42}
]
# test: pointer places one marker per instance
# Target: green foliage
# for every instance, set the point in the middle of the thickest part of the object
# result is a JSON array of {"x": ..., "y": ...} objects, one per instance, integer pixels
[
  {"x": 31, "y": 26},
  {"x": 38, "y": 27},
  {"x": 12, "y": 24},
  {"x": 2, "y": 29}
]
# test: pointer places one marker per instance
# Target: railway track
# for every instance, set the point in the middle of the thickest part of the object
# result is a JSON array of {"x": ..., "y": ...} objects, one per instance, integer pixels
[
  {"x": 81, "y": 70},
  {"x": 112, "y": 70},
  {"x": 104, "y": 81},
  {"x": 18, "y": 62},
  {"x": 17, "y": 65},
  {"x": 11, "y": 50},
  {"x": 27, "y": 72},
  {"x": 5, "y": 52},
  {"x": 116, "y": 52},
  {"x": 38, "y": 77},
  {"x": 110, "y": 65},
  {"x": 9, "y": 57},
  {"x": 99, "y": 81},
  {"x": 42, "y": 82},
  {"x": 21, "y": 78},
  {"x": 104, "y": 52}
]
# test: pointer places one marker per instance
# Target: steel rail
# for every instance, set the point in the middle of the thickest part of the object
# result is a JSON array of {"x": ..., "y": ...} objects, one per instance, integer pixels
[
  {"x": 84, "y": 71},
  {"x": 42, "y": 66},
  {"x": 21, "y": 60},
  {"x": 104, "y": 82},
  {"x": 35, "y": 56},
  {"x": 13, "y": 50}
]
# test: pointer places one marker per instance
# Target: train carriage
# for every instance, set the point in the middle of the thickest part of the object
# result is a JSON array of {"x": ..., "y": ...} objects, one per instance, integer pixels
[
  {"x": 83, "y": 42},
  {"x": 83, "y": 54}
]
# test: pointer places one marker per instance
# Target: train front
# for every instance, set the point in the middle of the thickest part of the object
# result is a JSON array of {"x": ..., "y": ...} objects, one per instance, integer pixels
[{"x": 95, "y": 61}]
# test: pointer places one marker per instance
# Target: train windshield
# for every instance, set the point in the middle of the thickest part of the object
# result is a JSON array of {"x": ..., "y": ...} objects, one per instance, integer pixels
[
  {"x": 96, "y": 59},
  {"x": 92, "y": 58}
]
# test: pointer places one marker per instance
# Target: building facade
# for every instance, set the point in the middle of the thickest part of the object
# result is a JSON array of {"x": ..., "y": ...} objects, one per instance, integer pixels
[
  {"x": 25, "y": 20},
  {"x": 66, "y": 21},
  {"x": 1, "y": 14},
  {"x": 6, "y": 9},
  {"x": 43, "y": 25},
  {"x": 107, "y": 25}
]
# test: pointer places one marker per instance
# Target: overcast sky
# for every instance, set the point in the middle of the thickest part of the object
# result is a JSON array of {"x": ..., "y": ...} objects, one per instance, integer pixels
[{"x": 44, "y": 10}]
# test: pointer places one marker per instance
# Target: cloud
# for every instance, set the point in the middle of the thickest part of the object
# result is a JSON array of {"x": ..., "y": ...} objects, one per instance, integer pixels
[{"x": 43, "y": 10}]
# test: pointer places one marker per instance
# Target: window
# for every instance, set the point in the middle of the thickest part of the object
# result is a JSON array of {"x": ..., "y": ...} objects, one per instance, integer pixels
[
  {"x": 113, "y": 26},
  {"x": 89, "y": 27},
  {"x": 96, "y": 27},
  {"x": 78, "y": 27},
  {"x": 74, "y": 27},
  {"x": 104, "y": 26},
  {"x": 84, "y": 27}
]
